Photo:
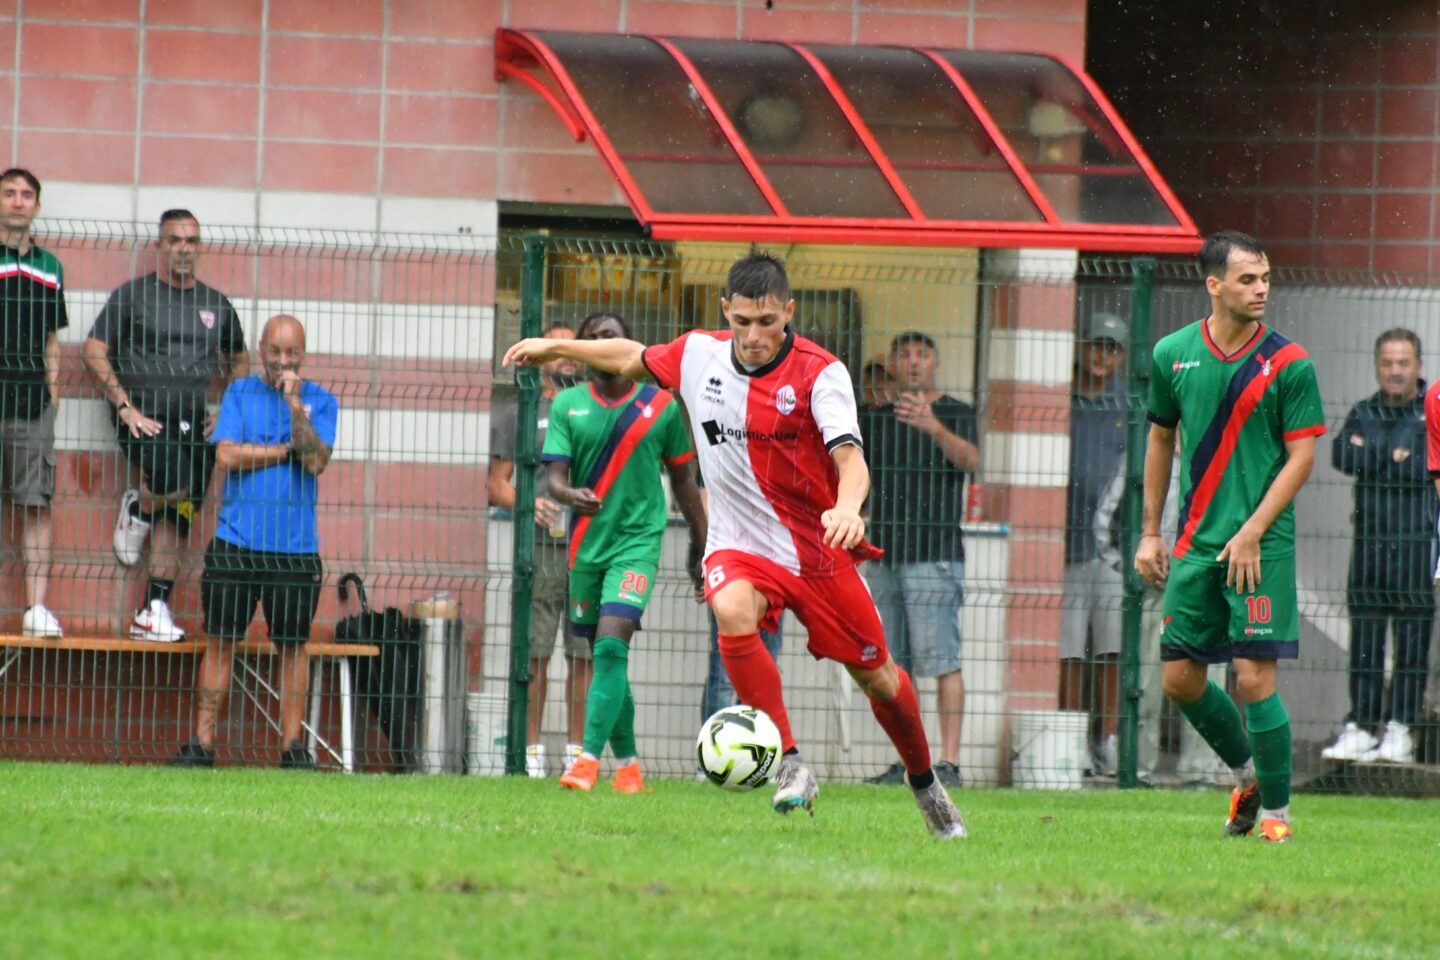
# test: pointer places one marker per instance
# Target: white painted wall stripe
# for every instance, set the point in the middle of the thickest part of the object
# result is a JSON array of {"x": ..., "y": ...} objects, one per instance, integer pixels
[
  {"x": 345, "y": 328},
  {"x": 106, "y": 209},
  {"x": 1027, "y": 459},
  {"x": 453, "y": 438},
  {"x": 1043, "y": 357}
]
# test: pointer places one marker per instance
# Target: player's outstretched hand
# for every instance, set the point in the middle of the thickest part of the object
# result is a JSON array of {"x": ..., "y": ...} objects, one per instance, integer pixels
[
  {"x": 529, "y": 352},
  {"x": 843, "y": 528},
  {"x": 585, "y": 502}
]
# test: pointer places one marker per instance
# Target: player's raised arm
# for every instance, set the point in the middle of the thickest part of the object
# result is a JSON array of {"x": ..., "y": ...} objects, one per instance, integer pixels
[{"x": 622, "y": 357}]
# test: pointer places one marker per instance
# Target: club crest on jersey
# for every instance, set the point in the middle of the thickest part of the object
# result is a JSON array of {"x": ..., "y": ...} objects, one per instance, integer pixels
[
  {"x": 785, "y": 400},
  {"x": 1264, "y": 365},
  {"x": 647, "y": 411},
  {"x": 207, "y": 317}
]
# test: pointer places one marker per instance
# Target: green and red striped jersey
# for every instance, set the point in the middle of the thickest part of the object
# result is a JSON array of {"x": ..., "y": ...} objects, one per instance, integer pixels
[
  {"x": 617, "y": 448},
  {"x": 1235, "y": 414}
]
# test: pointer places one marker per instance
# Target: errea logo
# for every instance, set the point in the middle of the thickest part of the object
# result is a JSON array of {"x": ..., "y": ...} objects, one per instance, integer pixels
[{"x": 1184, "y": 365}]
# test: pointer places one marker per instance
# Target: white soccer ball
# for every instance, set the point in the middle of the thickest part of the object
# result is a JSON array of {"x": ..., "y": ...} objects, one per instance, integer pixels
[{"x": 739, "y": 748}]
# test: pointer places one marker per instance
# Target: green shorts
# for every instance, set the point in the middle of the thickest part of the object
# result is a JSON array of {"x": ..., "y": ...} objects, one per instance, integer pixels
[
  {"x": 1207, "y": 622},
  {"x": 621, "y": 589}
]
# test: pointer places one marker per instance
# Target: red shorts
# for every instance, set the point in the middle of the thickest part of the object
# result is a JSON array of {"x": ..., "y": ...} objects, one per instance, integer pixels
[{"x": 836, "y": 610}]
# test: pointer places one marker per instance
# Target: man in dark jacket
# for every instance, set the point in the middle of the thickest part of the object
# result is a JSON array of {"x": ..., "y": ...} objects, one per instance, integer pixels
[{"x": 1382, "y": 446}]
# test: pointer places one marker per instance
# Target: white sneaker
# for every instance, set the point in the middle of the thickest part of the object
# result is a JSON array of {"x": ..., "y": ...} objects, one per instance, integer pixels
[
  {"x": 535, "y": 761},
  {"x": 39, "y": 622},
  {"x": 1107, "y": 757},
  {"x": 795, "y": 786},
  {"x": 1352, "y": 744},
  {"x": 942, "y": 818},
  {"x": 1397, "y": 746},
  {"x": 130, "y": 530},
  {"x": 154, "y": 622}
]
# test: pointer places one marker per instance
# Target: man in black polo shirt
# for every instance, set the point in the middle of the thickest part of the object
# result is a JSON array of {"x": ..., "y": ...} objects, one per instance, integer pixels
[
  {"x": 32, "y": 312},
  {"x": 920, "y": 448},
  {"x": 161, "y": 343}
]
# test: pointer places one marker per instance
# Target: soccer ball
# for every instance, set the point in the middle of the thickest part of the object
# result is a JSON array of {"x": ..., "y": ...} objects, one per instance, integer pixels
[{"x": 739, "y": 748}]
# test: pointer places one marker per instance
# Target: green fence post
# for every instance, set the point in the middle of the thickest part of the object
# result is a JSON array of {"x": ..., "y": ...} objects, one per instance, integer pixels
[
  {"x": 1142, "y": 287},
  {"x": 527, "y": 458}
]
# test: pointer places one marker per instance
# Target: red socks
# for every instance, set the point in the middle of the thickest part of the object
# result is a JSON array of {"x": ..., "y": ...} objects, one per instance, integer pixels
[
  {"x": 756, "y": 679},
  {"x": 901, "y": 720}
]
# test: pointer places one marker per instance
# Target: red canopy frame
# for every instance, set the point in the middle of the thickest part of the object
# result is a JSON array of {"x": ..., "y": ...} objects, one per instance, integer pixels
[{"x": 530, "y": 57}]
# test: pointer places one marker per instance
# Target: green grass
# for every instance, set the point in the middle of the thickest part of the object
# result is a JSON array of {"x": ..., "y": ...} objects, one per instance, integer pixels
[{"x": 132, "y": 862}]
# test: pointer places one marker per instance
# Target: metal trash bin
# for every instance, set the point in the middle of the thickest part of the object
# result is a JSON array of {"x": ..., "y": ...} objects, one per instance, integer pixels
[{"x": 442, "y": 731}]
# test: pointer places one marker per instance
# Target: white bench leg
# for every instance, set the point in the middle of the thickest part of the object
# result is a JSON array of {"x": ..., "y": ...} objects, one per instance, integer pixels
[
  {"x": 317, "y": 687},
  {"x": 347, "y": 718}
]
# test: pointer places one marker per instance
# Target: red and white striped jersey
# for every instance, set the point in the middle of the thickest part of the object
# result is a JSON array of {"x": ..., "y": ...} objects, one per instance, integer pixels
[{"x": 764, "y": 440}]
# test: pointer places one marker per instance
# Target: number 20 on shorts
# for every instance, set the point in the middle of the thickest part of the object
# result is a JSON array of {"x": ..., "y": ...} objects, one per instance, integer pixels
[
  {"x": 1257, "y": 609},
  {"x": 634, "y": 582}
]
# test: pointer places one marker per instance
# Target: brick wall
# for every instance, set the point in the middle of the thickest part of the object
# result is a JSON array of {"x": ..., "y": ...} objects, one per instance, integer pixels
[
  {"x": 357, "y": 115},
  {"x": 1312, "y": 125}
]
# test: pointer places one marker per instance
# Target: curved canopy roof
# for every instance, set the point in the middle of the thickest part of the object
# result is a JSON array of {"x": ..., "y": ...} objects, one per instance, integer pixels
[{"x": 788, "y": 142}]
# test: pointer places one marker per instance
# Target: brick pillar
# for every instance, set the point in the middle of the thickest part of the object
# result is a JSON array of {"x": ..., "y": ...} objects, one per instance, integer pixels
[{"x": 1026, "y": 459}]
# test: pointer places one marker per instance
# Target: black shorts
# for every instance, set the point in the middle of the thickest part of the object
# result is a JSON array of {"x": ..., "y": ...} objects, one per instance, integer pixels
[
  {"x": 286, "y": 585},
  {"x": 177, "y": 458}
]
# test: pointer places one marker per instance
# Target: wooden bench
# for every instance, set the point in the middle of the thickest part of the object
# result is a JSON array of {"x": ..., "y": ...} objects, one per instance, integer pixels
[{"x": 324, "y": 654}]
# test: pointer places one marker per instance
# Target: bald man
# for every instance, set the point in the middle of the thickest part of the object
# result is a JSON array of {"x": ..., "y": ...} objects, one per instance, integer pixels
[{"x": 273, "y": 440}]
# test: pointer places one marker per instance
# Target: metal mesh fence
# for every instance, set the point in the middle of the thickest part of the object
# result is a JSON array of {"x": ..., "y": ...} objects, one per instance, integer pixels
[
  {"x": 397, "y": 329},
  {"x": 404, "y": 331},
  {"x": 1035, "y": 709}
]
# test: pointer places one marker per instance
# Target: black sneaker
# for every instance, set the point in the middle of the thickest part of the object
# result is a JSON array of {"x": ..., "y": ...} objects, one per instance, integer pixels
[
  {"x": 296, "y": 757},
  {"x": 193, "y": 755},
  {"x": 894, "y": 776},
  {"x": 948, "y": 774}
]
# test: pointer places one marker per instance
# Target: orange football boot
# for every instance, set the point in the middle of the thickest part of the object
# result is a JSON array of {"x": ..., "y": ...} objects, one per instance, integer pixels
[
  {"x": 581, "y": 774},
  {"x": 1275, "y": 831},
  {"x": 629, "y": 779},
  {"x": 1244, "y": 808}
]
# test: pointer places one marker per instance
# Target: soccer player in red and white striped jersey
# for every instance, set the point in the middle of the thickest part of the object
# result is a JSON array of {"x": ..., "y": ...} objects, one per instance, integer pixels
[{"x": 775, "y": 424}]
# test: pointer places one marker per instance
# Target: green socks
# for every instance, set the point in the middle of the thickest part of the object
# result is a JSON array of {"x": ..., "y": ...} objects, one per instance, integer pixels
[
  {"x": 1269, "y": 726},
  {"x": 609, "y": 705},
  {"x": 1215, "y": 718},
  {"x": 622, "y": 737}
]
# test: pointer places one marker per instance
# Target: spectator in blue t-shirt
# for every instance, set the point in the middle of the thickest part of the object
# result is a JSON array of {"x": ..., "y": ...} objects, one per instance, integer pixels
[{"x": 273, "y": 440}]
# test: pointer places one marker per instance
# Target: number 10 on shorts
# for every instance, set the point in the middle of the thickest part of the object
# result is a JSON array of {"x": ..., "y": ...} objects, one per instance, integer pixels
[{"x": 1257, "y": 609}]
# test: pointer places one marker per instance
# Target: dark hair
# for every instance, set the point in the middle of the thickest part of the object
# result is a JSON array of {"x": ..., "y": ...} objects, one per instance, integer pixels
[
  {"x": 912, "y": 336},
  {"x": 758, "y": 276},
  {"x": 1398, "y": 334},
  {"x": 177, "y": 213},
  {"x": 1215, "y": 254},
  {"x": 594, "y": 320},
  {"x": 20, "y": 173}
]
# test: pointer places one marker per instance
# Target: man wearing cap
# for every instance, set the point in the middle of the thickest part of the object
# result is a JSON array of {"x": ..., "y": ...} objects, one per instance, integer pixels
[
  {"x": 920, "y": 447},
  {"x": 1093, "y": 589}
]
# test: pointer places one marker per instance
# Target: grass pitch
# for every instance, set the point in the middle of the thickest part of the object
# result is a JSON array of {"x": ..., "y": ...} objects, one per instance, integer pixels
[{"x": 140, "y": 862}]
